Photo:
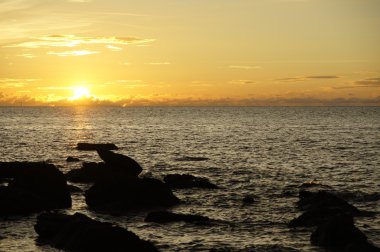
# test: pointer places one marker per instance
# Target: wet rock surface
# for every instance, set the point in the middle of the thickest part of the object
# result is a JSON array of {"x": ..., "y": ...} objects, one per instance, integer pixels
[
  {"x": 125, "y": 193},
  {"x": 96, "y": 146},
  {"x": 120, "y": 163},
  {"x": 80, "y": 233},
  {"x": 89, "y": 172},
  {"x": 33, "y": 187}
]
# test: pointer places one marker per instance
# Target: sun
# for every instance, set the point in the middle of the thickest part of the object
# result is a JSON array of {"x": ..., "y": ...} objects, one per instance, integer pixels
[{"x": 80, "y": 92}]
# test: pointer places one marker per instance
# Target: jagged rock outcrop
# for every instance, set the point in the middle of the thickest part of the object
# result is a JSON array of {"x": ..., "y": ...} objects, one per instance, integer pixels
[
  {"x": 80, "y": 233},
  {"x": 32, "y": 187}
]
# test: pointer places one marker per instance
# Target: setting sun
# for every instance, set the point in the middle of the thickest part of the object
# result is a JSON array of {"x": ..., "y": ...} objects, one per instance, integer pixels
[{"x": 79, "y": 93}]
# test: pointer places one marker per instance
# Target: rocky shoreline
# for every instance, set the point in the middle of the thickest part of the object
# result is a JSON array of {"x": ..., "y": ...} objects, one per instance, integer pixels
[{"x": 118, "y": 187}]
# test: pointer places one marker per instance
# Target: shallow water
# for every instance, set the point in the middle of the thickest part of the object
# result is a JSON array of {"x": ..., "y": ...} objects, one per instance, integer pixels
[{"x": 250, "y": 151}]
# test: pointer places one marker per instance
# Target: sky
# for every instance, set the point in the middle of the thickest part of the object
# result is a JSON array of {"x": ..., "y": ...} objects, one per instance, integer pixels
[{"x": 190, "y": 52}]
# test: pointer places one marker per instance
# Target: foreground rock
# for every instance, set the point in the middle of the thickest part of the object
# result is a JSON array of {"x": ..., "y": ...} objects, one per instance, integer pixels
[
  {"x": 33, "y": 187},
  {"x": 91, "y": 146},
  {"x": 88, "y": 173},
  {"x": 115, "y": 165},
  {"x": 325, "y": 200},
  {"x": 126, "y": 193},
  {"x": 187, "y": 181},
  {"x": 322, "y": 206},
  {"x": 80, "y": 233},
  {"x": 340, "y": 233},
  {"x": 165, "y": 217},
  {"x": 120, "y": 163}
]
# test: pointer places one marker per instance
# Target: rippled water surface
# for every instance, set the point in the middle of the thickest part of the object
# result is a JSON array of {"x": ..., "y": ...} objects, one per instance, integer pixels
[{"x": 262, "y": 152}]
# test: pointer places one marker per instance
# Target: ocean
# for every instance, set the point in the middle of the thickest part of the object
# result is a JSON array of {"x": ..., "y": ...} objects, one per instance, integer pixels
[{"x": 263, "y": 152}]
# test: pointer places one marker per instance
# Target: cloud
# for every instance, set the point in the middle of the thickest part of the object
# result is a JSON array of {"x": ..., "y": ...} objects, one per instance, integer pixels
[
  {"x": 159, "y": 63},
  {"x": 365, "y": 83},
  {"x": 27, "y": 55},
  {"x": 305, "y": 78},
  {"x": 322, "y": 77},
  {"x": 370, "y": 82},
  {"x": 73, "y": 41},
  {"x": 73, "y": 53},
  {"x": 114, "y": 48},
  {"x": 162, "y": 100},
  {"x": 241, "y": 82},
  {"x": 244, "y": 67},
  {"x": 15, "y": 83},
  {"x": 291, "y": 79}
]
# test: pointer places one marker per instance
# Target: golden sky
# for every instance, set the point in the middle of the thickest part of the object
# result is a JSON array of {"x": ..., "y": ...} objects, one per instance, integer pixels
[{"x": 189, "y": 52}]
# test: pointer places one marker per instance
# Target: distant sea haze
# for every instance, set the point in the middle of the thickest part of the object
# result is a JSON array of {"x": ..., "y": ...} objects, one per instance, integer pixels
[{"x": 265, "y": 153}]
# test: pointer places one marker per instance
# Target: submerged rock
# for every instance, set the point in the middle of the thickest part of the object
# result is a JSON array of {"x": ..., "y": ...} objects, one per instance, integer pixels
[
  {"x": 91, "y": 146},
  {"x": 187, "y": 181},
  {"x": 120, "y": 163},
  {"x": 126, "y": 193},
  {"x": 187, "y": 158},
  {"x": 34, "y": 186},
  {"x": 247, "y": 200},
  {"x": 80, "y": 233},
  {"x": 165, "y": 217}
]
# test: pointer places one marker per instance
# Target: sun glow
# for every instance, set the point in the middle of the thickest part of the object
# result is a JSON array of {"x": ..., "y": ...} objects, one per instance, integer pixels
[{"x": 79, "y": 93}]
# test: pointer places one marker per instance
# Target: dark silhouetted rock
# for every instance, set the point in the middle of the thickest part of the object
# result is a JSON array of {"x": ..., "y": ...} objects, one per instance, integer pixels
[
  {"x": 337, "y": 233},
  {"x": 323, "y": 206},
  {"x": 122, "y": 194},
  {"x": 80, "y": 233},
  {"x": 88, "y": 173},
  {"x": 72, "y": 159},
  {"x": 34, "y": 186},
  {"x": 361, "y": 247},
  {"x": 91, "y": 146},
  {"x": 321, "y": 200},
  {"x": 248, "y": 200},
  {"x": 316, "y": 217},
  {"x": 165, "y": 217},
  {"x": 120, "y": 163},
  {"x": 187, "y": 181},
  {"x": 187, "y": 158},
  {"x": 74, "y": 189}
]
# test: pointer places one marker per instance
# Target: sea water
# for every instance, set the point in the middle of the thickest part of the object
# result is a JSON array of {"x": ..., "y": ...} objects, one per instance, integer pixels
[{"x": 264, "y": 152}]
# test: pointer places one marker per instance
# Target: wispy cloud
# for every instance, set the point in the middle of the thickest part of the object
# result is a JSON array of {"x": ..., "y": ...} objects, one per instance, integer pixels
[
  {"x": 365, "y": 83},
  {"x": 305, "y": 78},
  {"x": 73, "y": 53},
  {"x": 241, "y": 82},
  {"x": 370, "y": 82},
  {"x": 244, "y": 67},
  {"x": 291, "y": 79},
  {"x": 159, "y": 63},
  {"x": 73, "y": 41},
  {"x": 27, "y": 55},
  {"x": 15, "y": 83},
  {"x": 114, "y": 48},
  {"x": 322, "y": 77}
]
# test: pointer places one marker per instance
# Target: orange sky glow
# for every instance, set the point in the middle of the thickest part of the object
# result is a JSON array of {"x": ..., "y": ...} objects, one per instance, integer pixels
[{"x": 190, "y": 53}]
